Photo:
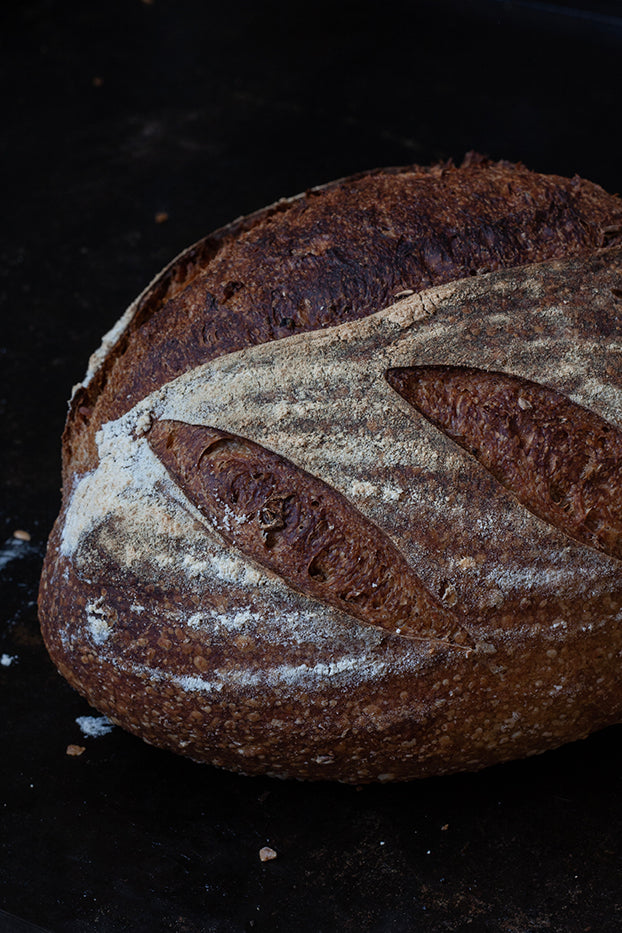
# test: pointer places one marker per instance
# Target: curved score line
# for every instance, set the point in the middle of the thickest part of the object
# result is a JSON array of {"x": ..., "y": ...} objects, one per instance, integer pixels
[
  {"x": 302, "y": 529},
  {"x": 560, "y": 460}
]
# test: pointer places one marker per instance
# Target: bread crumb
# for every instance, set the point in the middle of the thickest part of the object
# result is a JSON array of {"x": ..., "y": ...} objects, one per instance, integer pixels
[
  {"x": 445, "y": 827},
  {"x": 144, "y": 424},
  {"x": 266, "y": 854},
  {"x": 161, "y": 217},
  {"x": 467, "y": 563},
  {"x": 449, "y": 595},
  {"x": 75, "y": 750},
  {"x": 21, "y": 535}
]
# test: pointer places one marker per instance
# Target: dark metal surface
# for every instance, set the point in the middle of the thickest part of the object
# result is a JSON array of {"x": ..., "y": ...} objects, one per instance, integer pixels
[{"x": 116, "y": 114}]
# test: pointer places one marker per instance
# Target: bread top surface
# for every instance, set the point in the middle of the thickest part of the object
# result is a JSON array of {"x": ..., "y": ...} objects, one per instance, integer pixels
[
  {"x": 335, "y": 254},
  {"x": 321, "y": 401}
]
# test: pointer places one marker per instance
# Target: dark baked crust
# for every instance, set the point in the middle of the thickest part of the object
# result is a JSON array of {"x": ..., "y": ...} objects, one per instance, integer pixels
[
  {"x": 275, "y": 676},
  {"x": 560, "y": 460},
  {"x": 336, "y": 254},
  {"x": 300, "y": 528}
]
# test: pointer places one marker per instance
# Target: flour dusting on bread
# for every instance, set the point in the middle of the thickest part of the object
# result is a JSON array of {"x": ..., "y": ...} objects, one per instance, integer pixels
[{"x": 163, "y": 599}]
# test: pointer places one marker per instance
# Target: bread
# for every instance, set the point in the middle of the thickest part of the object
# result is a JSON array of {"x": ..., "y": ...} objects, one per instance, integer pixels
[{"x": 341, "y": 490}]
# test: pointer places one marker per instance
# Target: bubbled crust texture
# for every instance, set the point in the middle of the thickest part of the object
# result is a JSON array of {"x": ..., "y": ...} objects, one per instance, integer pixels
[{"x": 157, "y": 600}]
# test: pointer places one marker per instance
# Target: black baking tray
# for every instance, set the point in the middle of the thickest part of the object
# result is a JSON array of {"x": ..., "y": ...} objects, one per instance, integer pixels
[{"x": 131, "y": 129}]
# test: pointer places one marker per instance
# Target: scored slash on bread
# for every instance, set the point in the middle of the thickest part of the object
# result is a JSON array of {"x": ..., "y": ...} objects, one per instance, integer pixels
[
  {"x": 300, "y": 528},
  {"x": 563, "y": 462}
]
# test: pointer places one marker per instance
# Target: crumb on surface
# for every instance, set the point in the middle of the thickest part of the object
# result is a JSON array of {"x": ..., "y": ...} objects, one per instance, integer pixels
[
  {"x": 74, "y": 751},
  {"x": 21, "y": 535},
  {"x": 161, "y": 216},
  {"x": 266, "y": 854}
]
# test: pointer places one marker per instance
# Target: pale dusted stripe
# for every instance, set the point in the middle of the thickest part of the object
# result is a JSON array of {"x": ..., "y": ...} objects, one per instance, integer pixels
[{"x": 321, "y": 400}]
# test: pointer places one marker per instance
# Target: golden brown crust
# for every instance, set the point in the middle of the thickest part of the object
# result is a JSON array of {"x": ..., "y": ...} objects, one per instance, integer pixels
[{"x": 184, "y": 626}]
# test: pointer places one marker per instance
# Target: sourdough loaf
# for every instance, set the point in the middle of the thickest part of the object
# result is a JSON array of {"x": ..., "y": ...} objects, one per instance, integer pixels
[{"x": 341, "y": 491}]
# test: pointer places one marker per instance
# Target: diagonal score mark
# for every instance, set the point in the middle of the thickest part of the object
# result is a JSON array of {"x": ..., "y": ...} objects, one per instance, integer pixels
[
  {"x": 561, "y": 461},
  {"x": 302, "y": 529}
]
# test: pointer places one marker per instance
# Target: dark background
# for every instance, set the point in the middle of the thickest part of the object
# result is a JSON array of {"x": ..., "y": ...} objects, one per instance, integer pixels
[{"x": 118, "y": 111}]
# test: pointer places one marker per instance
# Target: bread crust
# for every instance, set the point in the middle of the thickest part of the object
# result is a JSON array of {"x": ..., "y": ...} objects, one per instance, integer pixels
[
  {"x": 157, "y": 601},
  {"x": 333, "y": 254}
]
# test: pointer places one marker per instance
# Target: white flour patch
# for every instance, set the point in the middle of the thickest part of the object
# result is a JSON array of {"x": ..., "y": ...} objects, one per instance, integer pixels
[
  {"x": 297, "y": 676},
  {"x": 359, "y": 488},
  {"x": 7, "y": 659},
  {"x": 392, "y": 493},
  {"x": 97, "y": 623},
  {"x": 552, "y": 578},
  {"x": 94, "y": 726},
  {"x": 13, "y": 548}
]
